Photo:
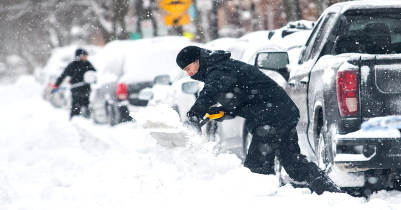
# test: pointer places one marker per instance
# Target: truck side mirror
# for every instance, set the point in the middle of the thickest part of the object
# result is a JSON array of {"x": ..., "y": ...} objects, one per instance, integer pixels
[
  {"x": 274, "y": 61},
  {"x": 145, "y": 94},
  {"x": 190, "y": 87},
  {"x": 162, "y": 80}
]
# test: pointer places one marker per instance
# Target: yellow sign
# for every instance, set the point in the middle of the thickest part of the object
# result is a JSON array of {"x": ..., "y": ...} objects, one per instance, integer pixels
[
  {"x": 175, "y": 6},
  {"x": 177, "y": 20},
  {"x": 189, "y": 35}
]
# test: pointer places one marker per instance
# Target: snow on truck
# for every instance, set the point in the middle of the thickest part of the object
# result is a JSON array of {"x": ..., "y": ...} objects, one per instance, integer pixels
[{"x": 349, "y": 72}]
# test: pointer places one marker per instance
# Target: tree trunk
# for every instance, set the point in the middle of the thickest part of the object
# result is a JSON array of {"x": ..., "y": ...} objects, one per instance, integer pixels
[
  {"x": 321, "y": 5},
  {"x": 292, "y": 10},
  {"x": 120, "y": 10},
  {"x": 214, "y": 27}
]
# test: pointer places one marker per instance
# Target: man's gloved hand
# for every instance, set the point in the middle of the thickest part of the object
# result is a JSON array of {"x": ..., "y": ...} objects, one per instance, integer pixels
[
  {"x": 193, "y": 122},
  {"x": 227, "y": 114}
]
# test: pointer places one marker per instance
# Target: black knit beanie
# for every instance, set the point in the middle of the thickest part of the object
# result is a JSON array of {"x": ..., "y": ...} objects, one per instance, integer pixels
[
  {"x": 188, "y": 55},
  {"x": 80, "y": 52}
]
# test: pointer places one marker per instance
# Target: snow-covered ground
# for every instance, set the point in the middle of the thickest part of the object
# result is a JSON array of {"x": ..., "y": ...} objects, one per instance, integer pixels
[{"x": 49, "y": 162}]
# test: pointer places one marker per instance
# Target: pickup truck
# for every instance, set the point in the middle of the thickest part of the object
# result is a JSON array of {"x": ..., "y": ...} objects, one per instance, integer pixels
[{"x": 349, "y": 71}]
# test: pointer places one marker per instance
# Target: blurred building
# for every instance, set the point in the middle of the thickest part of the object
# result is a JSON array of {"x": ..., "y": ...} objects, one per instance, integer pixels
[
  {"x": 237, "y": 17},
  {"x": 234, "y": 17}
]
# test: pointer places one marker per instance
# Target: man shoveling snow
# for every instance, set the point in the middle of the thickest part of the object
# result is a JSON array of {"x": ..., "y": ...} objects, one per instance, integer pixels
[{"x": 271, "y": 116}]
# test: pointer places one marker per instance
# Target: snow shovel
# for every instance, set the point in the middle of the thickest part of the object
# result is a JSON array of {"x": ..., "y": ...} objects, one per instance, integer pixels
[
  {"x": 179, "y": 138},
  {"x": 89, "y": 78}
]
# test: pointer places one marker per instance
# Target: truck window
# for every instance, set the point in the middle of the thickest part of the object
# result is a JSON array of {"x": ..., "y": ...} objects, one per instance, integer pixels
[
  {"x": 316, "y": 38},
  {"x": 309, "y": 43},
  {"x": 371, "y": 32}
]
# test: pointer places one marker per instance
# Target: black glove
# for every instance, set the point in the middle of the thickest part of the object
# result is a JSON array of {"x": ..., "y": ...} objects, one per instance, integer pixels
[
  {"x": 193, "y": 122},
  {"x": 227, "y": 114}
]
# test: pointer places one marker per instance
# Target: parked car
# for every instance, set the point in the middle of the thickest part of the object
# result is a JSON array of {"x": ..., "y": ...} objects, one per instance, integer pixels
[
  {"x": 127, "y": 67},
  {"x": 349, "y": 73},
  {"x": 58, "y": 60}
]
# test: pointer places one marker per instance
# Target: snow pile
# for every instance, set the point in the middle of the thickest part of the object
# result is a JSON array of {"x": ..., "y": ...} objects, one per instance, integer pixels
[
  {"x": 48, "y": 162},
  {"x": 160, "y": 116},
  {"x": 197, "y": 160}
]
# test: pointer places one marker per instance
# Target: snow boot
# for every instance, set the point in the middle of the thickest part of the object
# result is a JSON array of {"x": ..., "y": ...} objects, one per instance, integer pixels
[{"x": 319, "y": 182}]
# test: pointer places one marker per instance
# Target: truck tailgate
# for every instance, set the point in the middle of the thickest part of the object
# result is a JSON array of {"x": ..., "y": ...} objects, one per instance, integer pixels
[{"x": 380, "y": 90}]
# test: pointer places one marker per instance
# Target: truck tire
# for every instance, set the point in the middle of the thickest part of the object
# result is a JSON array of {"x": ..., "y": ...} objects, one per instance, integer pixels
[
  {"x": 324, "y": 154},
  {"x": 321, "y": 153}
]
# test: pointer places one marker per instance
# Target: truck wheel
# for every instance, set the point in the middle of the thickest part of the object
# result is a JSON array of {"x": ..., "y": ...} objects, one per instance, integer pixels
[
  {"x": 246, "y": 140},
  {"x": 323, "y": 154}
]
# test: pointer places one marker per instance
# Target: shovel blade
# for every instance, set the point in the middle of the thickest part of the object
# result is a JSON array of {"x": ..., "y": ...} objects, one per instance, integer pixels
[{"x": 170, "y": 139}]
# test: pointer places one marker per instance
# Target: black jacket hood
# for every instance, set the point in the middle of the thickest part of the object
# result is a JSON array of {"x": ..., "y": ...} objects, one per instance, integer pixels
[{"x": 207, "y": 59}]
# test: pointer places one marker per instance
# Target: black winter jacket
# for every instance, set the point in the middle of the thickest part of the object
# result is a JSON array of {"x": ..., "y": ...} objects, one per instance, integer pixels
[
  {"x": 242, "y": 89},
  {"x": 76, "y": 71}
]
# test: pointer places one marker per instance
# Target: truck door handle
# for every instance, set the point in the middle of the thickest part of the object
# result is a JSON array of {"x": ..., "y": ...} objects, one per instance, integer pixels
[{"x": 304, "y": 80}]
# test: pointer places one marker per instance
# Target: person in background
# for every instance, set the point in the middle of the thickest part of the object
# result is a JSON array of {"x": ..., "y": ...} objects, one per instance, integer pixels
[
  {"x": 76, "y": 70},
  {"x": 270, "y": 114}
]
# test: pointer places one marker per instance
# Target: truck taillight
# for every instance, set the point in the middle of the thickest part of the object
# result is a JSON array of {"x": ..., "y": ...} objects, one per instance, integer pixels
[
  {"x": 347, "y": 93},
  {"x": 121, "y": 91}
]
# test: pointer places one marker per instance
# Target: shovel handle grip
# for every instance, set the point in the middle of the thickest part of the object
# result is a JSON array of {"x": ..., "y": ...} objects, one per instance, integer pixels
[
  {"x": 214, "y": 116},
  {"x": 209, "y": 117}
]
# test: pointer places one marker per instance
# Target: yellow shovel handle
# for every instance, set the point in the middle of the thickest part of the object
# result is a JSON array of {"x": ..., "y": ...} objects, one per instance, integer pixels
[{"x": 214, "y": 116}]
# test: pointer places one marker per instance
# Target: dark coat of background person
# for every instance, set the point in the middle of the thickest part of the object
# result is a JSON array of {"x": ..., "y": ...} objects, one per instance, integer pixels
[{"x": 80, "y": 95}]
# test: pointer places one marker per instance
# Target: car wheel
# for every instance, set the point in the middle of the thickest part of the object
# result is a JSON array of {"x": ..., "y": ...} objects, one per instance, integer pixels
[
  {"x": 123, "y": 114},
  {"x": 246, "y": 140},
  {"x": 116, "y": 116},
  {"x": 111, "y": 114},
  {"x": 93, "y": 116}
]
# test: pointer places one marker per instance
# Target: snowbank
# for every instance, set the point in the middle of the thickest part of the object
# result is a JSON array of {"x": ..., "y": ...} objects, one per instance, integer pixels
[{"x": 48, "y": 162}]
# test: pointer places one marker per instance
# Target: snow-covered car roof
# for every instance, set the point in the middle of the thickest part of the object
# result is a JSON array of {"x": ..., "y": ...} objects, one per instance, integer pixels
[
  {"x": 220, "y": 43},
  {"x": 149, "y": 58},
  {"x": 62, "y": 56},
  {"x": 245, "y": 47},
  {"x": 367, "y": 4},
  {"x": 239, "y": 47},
  {"x": 125, "y": 58}
]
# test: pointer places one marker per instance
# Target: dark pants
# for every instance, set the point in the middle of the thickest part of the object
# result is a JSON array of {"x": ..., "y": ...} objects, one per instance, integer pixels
[
  {"x": 269, "y": 142},
  {"x": 79, "y": 100}
]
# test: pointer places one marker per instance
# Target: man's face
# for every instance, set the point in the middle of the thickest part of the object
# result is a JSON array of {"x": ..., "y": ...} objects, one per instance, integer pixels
[
  {"x": 192, "y": 68},
  {"x": 84, "y": 57}
]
